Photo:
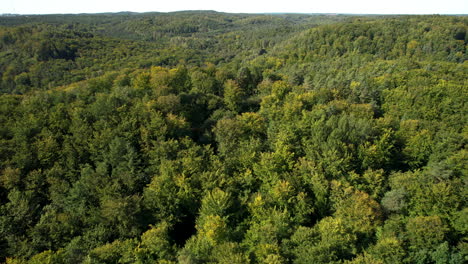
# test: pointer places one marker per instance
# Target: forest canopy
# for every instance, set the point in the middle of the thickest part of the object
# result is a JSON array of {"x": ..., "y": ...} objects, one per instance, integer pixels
[{"x": 205, "y": 137}]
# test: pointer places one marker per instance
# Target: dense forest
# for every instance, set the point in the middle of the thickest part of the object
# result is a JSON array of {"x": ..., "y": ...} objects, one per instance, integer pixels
[{"x": 205, "y": 137}]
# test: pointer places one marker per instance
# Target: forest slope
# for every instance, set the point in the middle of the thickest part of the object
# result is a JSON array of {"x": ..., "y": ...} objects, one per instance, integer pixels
[{"x": 202, "y": 137}]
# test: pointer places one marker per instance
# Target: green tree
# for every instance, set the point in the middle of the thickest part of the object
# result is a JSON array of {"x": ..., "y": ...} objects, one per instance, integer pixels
[{"x": 233, "y": 95}]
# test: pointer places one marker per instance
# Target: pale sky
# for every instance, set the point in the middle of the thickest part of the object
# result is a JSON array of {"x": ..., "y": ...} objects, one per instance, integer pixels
[{"x": 238, "y": 6}]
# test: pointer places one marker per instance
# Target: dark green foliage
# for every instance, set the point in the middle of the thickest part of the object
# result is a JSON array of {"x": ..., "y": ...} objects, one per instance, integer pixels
[{"x": 203, "y": 137}]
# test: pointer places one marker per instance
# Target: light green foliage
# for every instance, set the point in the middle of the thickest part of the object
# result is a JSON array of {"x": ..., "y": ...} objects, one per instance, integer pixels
[
  {"x": 388, "y": 250},
  {"x": 327, "y": 242},
  {"x": 216, "y": 202},
  {"x": 267, "y": 229},
  {"x": 229, "y": 253},
  {"x": 371, "y": 182},
  {"x": 115, "y": 252},
  {"x": 155, "y": 245},
  {"x": 424, "y": 193},
  {"x": 142, "y": 81},
  {"x": 170, "y": 193},
  {"x": 377, "y": 154},
  {"x": 365, "y": 259},
  {"x": 357, "y": 209},
  {"x": 47, "y": 257},
  {"x": 205, "y": 137},
  {"x": 233, "y": 95}
]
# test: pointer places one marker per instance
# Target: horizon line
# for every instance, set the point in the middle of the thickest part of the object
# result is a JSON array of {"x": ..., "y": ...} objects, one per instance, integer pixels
[{"x": 247, "y": 13}]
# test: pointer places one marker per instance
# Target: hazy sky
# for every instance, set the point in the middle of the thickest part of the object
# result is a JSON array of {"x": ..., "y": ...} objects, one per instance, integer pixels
[{"x": 238, "y": 6}]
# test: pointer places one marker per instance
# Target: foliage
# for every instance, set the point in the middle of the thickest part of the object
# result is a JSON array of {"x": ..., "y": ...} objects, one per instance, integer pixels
[{"x": 204, "y": 137}]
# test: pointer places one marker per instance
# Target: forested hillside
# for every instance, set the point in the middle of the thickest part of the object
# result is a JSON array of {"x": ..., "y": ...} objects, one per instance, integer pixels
[{"x": 204, "y": 137}]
